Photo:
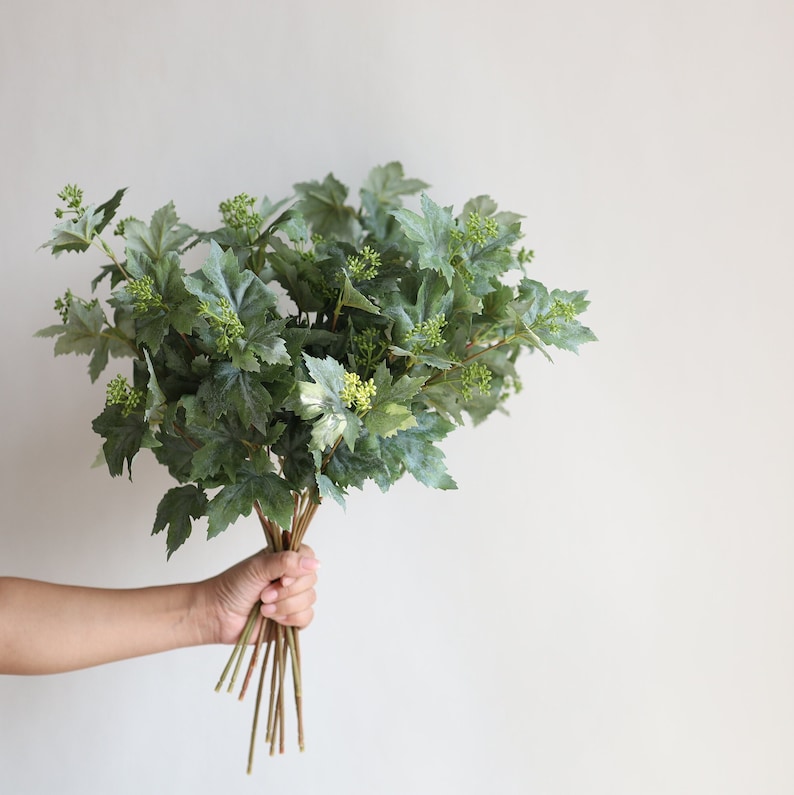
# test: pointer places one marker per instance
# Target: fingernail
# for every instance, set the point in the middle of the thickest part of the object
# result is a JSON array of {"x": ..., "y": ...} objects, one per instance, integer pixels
[
  {"x": 310, "y": 564},
  {"x": 267, "y": 610},
  {"x": 287, "y": 581}
]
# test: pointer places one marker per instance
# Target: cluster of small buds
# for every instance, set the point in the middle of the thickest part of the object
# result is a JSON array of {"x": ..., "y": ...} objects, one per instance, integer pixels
[
  {"x": 238, "y": 213},
  {"x": 366, "y": 345},
  {"x": 428, "y": 333},
  {"x": 121, "y": 226},
  {"x": 146, "y": 297},
  {"x": 365, "y": 264},
  {"x": 479, "y": 230},
  {"x": 62, "y": 305},
  {"x": 563, "y": 309},
  {"x": 73, "y": 197},
  {"x": 227, "y": 323},
  {"x": 119, "y": 393},
  {"x": 560, "y": 313},
  {"x": 474, "y": 375},
  {"x": 357, "y": 394}
]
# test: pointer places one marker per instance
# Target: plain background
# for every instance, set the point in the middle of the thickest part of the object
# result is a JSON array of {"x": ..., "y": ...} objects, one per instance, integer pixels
[{"x": 606, "y": 604}]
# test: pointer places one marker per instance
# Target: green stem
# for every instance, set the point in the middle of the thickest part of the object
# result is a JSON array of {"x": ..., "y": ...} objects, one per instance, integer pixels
[
  {"x": 254, "y": 658},
  {"x": 106, "y": 249},
  {"x": 258, "y": 703},
  {"x": 442, "y": 374},
  {"x": 292, "y": 641},
  {"x": 271, "y": 710},
  {"x": 337, "y": 312},
  {"x": 244, "y": 640},
  {"x": 239, "y": 646},
  {"x": 121, "y": 337},
  {"x": 330, "y": 454}
]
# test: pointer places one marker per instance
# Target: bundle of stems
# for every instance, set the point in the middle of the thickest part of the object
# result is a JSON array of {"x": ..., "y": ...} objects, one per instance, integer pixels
[{"x": 281, "y": 644}]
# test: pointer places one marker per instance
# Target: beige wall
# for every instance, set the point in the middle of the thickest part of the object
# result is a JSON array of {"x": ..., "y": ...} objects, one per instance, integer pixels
[{"x": 606, "y": 604}]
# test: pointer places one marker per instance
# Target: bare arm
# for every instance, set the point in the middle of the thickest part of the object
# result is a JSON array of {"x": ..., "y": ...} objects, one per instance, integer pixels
[{"x": 49, "y": 628}]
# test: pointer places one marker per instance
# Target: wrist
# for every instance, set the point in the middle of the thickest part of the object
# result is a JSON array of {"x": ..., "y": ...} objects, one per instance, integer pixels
[{"x": 201, "y": 623}]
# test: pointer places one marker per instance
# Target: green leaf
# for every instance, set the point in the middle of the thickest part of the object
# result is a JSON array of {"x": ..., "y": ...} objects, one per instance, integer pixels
[
  {"x": 323, "y": 206},
  {"x": 176, "y": 454},
  {"x": 432, "y": 232},
  {"x": 181, "y": 310},
  {"x": 221, "y": 451},
  {"x": 75, "y": 234},
  {"x": 415, "y": 450},
  {"x": 124, "y": 437},
  {"x": 433, "y": 298},
  {"x": 265, "y": 340},
  {"x": 163, "y": 234},
  {"x": 228, "y": 387},
  {"x": 356, "y": 300},
  {"x": 348, "y": 468},
  {"x": 155, "y": 398},
  {"x": 327, "y": 488},
  {"x": 388, "y": 184},
  {"x": 492, "y": 259},
  {"x": 237, "y": 499},
  {"x": 108, "y": 209},
  {"x": 268, "y": 208},
  {"x": 533, "y": 300},
  {"x": 321, "y": 398},
  {"x": 388, "y": 418},
  {"x": 551, "y": 317},
  {"x": 82, "y": 331},
  {"x": 300, "y": 277},
  {"x": 293, "y": 225},
  {"x": 390, "y": 411},
  {"x": 86, "y": 333},
  {"x": 293, "y": 447},
  {"x": 176, "y": 510},
  {"x": 253, "y": 302}
]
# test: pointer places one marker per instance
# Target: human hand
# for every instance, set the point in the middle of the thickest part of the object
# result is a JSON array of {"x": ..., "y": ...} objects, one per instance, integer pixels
[{"x": 283, "y": 581}]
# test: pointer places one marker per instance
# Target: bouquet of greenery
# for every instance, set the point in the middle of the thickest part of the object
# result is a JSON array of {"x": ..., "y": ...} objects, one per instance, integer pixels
[{"x": 318, "y": 346}]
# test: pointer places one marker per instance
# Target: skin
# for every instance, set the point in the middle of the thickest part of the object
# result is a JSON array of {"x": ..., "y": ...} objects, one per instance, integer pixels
[{"x": 47, "y": 628}]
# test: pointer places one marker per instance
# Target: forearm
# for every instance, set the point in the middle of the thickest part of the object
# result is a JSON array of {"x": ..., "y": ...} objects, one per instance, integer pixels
[{"x": 47, "y": 628}]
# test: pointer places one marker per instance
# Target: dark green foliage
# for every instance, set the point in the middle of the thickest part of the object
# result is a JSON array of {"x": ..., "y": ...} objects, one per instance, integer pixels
[{"x": 318, "y": 346}]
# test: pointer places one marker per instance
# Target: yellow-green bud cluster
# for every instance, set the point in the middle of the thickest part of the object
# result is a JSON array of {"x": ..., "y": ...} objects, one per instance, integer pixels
[
  {"x": 563, "y": 309},
  {"x": 119, "y": 393},
  {"x": 73, "y": 198},
  {"x": 428, "y": 333},
  {"x": 560, "y": 309},
  {"x": 238, "y": 213},
  {"x": 146, "y": 297},
  {"x": 365, "y": 264},
  {"x": 475, "y": 375},
  {"x": 358, "y": 394},
  {"x": 227, "y": 323},
  {"x": 479, "y": 229}
]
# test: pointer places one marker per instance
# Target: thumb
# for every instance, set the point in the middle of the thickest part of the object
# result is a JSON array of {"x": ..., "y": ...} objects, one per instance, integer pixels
[{"x": 271, "y": 566}]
